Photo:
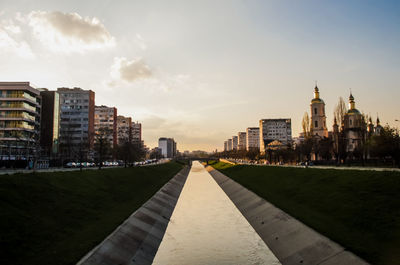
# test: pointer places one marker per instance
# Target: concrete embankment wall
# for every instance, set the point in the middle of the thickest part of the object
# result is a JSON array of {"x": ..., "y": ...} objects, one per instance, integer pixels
[
  {"x": 136, "y": 241},
  {"x": 291, "y": 241}
]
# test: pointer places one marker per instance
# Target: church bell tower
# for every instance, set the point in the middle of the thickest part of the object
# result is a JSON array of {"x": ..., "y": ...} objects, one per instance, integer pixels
[{"x": 318, "y": 118}]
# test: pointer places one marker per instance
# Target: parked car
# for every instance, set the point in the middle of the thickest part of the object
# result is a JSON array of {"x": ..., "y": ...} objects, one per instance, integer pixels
[{"x": 70, "y": 164}]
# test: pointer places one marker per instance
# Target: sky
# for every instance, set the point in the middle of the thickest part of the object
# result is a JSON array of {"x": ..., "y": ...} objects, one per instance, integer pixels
[{"x": 201, "y": 71}]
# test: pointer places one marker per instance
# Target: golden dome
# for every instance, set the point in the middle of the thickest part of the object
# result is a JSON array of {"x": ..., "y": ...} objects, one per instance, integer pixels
[{"x": 316, "y": 98}]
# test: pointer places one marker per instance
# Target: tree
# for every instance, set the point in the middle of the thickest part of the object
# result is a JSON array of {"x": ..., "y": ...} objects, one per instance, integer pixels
[
  {"x": 253, "y": 153},
  {"x": 325, "y": 148},
  {"x": 340, "y": 111},
  {"x": 306, "y": 124},
  {"x": 387, "y": 144},
  {"x": 306, "y": 148},
  {"x": 102, "y": 144},
  {"x": 340, "y": 144}
]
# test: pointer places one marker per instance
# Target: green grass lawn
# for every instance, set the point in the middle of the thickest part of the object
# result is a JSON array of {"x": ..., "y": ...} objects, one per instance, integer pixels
[
  {"x": 56, "y": 218},
  {"x": 358, "y": 209}
]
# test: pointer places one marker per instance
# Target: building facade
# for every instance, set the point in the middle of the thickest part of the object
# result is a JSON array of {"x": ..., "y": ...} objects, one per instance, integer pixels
[
  {"x": 105, "y": 122},
  {"x": 318, "y": 117},
  {"x": 274, "y": 129},
  {"x": 235, "y": 142},
  {"x": 241, "y": 140},
  {"x": 229, "y": 145},
  {"x": 20, "y": 113},
  {"x": 50, "y": 122},
  {"x": 136, "y": 132},
  {"x": 225, "y": 146},
  {"x": 354, "y": 127},
  {"x": 167, "y": 146},
  {"x": 124, "y": 129},
  {"x": 252, "y": 138},
  {"x": 76, "y": 120}
]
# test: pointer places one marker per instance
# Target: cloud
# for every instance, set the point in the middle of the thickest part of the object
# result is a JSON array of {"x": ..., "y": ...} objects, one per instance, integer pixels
[
  {"x": 10, "y": 43},
  {"x": 69, "y": 32},
  {"x": 140, "y": 42},
  {"x": 130, "y": 71}
]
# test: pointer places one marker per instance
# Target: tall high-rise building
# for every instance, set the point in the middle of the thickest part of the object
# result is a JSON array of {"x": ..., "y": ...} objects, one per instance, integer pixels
[
  {"x": 252, "y": 138},
  {"x": 20, "y": 110},
  {"x": 318, "y": 118},
  {"x": 136, "y": 132},
  {"x": 229, "y": 145},
  {"x": 105, "y": 121},
  {"x": 50, "y": 122},
  {"x": 167, "y": 146},
  {"x": 234, "y": 142},
  {"x": 76, "y": 119},
  {"x": 124, "y": 129},
  {"x": 225, "y": 146},
  {"x": 275, "y": 129},
  {"x": 242, "y": 140}
]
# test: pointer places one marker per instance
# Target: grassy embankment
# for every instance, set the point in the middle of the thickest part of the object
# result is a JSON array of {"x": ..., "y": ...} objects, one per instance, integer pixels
[
  {"x": 56, "y": 218},
  {"x": 358, "y": 209}
]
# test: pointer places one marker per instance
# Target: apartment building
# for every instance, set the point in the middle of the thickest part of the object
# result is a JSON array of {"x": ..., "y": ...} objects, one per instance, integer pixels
[
  {"x": 20, "y": 110},
  {"x": 241, "y": 140},
  {"x": 105, "y": 123},
  {"x": 50, "y": 122},
  {"x": 136, "y": 132},
  {"x": 234, "y": 142},
  {"x": 225, "y": 146},
  {"x": 124, "y": 129},
  {"x": 167, "y": 146},
  {"x": 76, "y": 119},
  {"x": 275, "y": 129},
  {"x": 229, "y": 145},
  {"x": 252, "y": 138}
]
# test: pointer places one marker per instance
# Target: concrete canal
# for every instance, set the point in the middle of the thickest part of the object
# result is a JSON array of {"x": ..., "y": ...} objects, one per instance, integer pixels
[{"x": 207, "y": 228}]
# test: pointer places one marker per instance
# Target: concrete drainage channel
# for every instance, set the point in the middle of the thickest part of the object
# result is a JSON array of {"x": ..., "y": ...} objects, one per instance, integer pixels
[
  {"x": 136, "y": 241},
  {"x": 291, "y": 241}
]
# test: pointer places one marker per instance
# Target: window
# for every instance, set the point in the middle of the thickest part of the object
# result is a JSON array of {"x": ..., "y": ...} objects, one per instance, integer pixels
[
  {"x": 316, "y": 124},
  {"x": 351, "y": 122},
  {"x": 315, "y": 110}
]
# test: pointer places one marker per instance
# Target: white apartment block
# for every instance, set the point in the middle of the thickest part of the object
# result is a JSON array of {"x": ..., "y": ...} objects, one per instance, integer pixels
[
  {"x": 252, "y": 138},
  {"x": 77, "y": 117},
  {"x": 234, "y": 142},
  {"x": 241, "y": 140},
  {"x": 275, "y": 129},
  {"x": 124, "y": 133},
  {"x": 136, "y": 132},
  {"x": 105, "y": 118},
  {"x": 229, "y": 145}
]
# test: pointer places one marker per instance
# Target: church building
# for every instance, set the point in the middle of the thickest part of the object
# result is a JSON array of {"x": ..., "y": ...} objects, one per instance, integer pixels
[
  {"x": 318, "y": 118},
  {"x": 354, "y": 126}
]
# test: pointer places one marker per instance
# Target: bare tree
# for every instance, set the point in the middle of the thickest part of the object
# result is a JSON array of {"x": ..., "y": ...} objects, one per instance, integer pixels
[
  {"x": 102, "y": 144},
  {"x": 306, "y": 124},
  {"x": 340, "y": 111}
]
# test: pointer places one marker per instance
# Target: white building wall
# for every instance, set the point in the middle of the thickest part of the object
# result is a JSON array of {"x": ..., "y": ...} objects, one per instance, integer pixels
[
  {"x": 252, "y": 138},
  {"x": 275, "y": 129}
]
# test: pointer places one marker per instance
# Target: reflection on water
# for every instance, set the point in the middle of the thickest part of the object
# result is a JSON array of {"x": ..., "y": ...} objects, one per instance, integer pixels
[{"x": 206, "y": 228}]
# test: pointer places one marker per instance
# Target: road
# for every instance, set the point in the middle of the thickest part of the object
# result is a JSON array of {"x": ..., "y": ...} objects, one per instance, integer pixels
[
  {"x": 63, "y": 169},
  {"x": 207, "y": 228}
]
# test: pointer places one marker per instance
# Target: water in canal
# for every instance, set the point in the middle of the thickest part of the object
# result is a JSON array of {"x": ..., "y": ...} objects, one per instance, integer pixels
[{"x": 207, "y": 228}]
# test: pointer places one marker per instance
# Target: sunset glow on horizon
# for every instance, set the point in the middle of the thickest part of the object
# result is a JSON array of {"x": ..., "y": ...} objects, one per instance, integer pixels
[{"x": 201, "y": 71}]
